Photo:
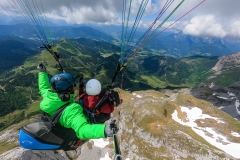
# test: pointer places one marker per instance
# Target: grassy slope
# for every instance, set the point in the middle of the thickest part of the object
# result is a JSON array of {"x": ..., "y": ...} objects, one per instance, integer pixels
[
  {"x": 161, "y": 72},
  {"x": 226, "y": 78}
]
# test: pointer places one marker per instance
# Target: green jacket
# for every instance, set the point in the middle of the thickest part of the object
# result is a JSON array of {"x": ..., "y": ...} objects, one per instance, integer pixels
[{"x": 72, "y": 116}]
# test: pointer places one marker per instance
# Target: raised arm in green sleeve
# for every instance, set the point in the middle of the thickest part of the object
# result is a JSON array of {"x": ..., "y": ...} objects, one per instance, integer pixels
[{"x": 43, "y": 83}]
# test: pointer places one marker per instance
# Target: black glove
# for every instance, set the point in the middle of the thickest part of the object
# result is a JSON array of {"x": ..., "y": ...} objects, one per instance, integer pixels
[
  {"x": 102, "y": 93},
  {"x": 113, "y": 97},
  {"x": 41, "y": 68},
  {"x": 110, "y": 129},
  {"x": 117, "y": 99}
]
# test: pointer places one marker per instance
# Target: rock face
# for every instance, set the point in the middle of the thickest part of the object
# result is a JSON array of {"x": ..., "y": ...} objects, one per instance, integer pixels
[
  {"x": 226, "y": 62},
  {"x": 23, "y": 154},
  {"x": 225, "y": 98},
  {"x": 153, "y": 125},
  {"x": 83, "y": 152},
  {"x": 93, "y": 149}
]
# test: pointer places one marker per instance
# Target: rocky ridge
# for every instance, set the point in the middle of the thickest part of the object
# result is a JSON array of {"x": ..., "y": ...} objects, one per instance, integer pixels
[
  {"x": 226, "y": 62},
  {"x": 153, "y": 125}
]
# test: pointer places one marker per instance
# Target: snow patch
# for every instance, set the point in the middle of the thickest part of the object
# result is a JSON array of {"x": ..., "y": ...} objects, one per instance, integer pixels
[
  {"x": 106, "y": 157},
  {"x": 231, "y": 94},
  {"x": 237, "y": 106},
  {"x": 215, "y": 139},
  {"x": 235, "y": 134},
  {"x": 222, "y": 97},
  {"x": 139, "y": 96},
  {"x": 101, "y": 143}
]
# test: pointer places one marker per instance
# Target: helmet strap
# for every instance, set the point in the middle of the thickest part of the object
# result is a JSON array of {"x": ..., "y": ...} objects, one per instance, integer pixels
[{"x": 64, "y": 96}]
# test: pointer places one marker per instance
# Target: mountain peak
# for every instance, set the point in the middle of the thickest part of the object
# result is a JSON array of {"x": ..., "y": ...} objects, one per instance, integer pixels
[{"x": 177, "y": 125}]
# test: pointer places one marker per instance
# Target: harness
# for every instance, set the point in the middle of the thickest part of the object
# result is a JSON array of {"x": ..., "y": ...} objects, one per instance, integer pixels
[
  {"x": 91, "y": 114},
  {"x": 47, "y": 130}
]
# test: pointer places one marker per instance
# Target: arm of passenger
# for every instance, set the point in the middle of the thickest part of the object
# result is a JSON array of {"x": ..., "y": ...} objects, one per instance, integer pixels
[
  {"x": 107, "y": 108},
  {"x": 81, "y": 92}
]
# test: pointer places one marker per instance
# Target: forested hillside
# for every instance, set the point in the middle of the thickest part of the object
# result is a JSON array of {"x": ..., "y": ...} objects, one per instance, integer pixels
[
  {"x": 96, "y": 59},
  {"x": 14, "y": 51}
]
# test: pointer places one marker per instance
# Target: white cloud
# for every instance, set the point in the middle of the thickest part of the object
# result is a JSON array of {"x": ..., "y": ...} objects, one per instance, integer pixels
[
  {"x": 234, "y": 29},
  {"x": 204, "y": 25},
  {"x": 86, "y": 14}
]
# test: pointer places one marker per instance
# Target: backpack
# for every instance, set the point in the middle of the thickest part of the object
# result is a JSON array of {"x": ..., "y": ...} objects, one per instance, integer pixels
[
  {"x": 47, "y": 134},
  {"x": 94, "y": 115}
]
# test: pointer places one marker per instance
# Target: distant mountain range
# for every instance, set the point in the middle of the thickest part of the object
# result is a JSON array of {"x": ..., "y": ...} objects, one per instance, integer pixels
[
  {"x": 180, "y": 45},
  {"x": 174, "y": 44},
  {"x": 28, "y": 32}
]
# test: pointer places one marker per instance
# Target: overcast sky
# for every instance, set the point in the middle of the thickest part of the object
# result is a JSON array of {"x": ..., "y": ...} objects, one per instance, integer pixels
[{"x": 218, "y": 18}]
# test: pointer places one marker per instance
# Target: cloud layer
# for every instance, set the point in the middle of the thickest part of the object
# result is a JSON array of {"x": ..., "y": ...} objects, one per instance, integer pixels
[{"x": 217, "y": 18}]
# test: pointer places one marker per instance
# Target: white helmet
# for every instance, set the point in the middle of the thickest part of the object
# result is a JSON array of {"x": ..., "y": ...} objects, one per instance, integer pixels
[{"x": 93, "y": 87}]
